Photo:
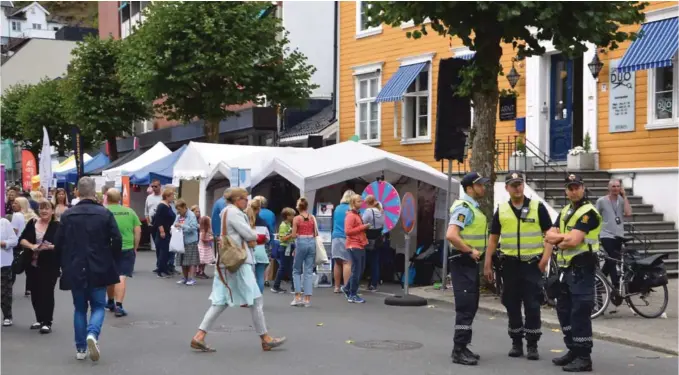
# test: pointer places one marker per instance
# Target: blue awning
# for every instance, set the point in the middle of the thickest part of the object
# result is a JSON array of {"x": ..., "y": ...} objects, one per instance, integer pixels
[
  {"x": 654, "y": 48},
  {"x": 466, "y": 56},
  {"x": 398, "y": 84},
  {"x": 71, "y": 175},
  {"x": 161, "y": 168}
]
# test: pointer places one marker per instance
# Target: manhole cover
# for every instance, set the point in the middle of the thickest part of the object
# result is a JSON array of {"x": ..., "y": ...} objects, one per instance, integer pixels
[
  {"x": 388, "y": 345},
  {"x": 145, "y": 324},
  {"x": 232, "y": 329}
]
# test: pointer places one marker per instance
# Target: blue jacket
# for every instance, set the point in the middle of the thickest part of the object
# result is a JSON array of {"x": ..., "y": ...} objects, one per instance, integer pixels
[
  {"x": 190, "y": 227},
  {"x": 216, "y": 218},
  {"x": 270, "y": 219},
  {"x": 88, "y": 243},
  {"x": 338, "y": 217}
]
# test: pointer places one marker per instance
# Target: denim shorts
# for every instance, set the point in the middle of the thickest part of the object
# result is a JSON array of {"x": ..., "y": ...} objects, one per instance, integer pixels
[{"x": 125, "y": 264}]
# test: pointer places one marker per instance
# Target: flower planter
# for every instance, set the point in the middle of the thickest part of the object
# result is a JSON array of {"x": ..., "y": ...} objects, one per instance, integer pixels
[
  {"x": 521, "y": 163},
  {"x": 581, "y": 162}
]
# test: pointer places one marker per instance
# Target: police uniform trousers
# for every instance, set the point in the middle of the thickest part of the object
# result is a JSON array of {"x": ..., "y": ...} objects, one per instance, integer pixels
[
  {"x": 465, "y": 276},
  {"x": 522, "y": 285},
  {"x": 574, "y": 308}
]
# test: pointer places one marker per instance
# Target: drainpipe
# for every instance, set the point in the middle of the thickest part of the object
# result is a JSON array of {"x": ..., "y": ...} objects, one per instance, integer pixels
[{"x": 335, "y": 78}]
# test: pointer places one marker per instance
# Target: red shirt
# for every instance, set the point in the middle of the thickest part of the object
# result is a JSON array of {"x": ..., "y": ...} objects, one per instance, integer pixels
[
  {"x": 355, "y": 231},
  {"x": 305, "y": 227}
]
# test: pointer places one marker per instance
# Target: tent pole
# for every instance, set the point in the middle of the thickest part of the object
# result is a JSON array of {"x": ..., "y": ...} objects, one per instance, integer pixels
[{"x": 446, "y": 245}]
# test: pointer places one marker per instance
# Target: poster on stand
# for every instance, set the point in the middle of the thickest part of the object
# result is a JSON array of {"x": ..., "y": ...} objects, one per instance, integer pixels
[{"x": 126, "y": 191}]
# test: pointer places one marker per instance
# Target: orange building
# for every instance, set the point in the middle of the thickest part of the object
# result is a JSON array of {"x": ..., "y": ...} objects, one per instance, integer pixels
[{"x": 630, "y": 114}]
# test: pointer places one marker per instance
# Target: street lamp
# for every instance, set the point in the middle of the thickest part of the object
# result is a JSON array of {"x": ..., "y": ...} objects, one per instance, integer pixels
[
  {"x": 595, "y": 66},
  {"x": 513, "y": 76}
]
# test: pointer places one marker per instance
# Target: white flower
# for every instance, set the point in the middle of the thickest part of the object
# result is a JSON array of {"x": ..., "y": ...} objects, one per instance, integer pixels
[
  {"x": 518, "y": 153},
  {"x": 577, "y": 151}
]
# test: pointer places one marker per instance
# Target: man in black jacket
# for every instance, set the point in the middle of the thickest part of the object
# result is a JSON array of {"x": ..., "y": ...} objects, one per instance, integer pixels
[{"x": 89, "y": 243}]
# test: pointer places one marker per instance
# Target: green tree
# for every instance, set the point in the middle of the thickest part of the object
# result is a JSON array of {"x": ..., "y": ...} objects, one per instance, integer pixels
[
  {"x": 10, "y": 102},
  {"x": 202, "y": 57},
  {"x": 44, "y": 106},
  {"x": 483, "y": 26},
  {"x": 95, "y": 98}
]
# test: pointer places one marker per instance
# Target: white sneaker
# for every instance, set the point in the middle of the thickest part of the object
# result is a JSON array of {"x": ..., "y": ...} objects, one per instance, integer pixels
[
  {"x": 81, "y": 355},
  {"x": 93, "y": 347},
  {"x": 7, "y": 322}
]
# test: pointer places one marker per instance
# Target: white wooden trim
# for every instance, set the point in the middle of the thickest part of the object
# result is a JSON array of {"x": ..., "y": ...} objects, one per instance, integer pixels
[
  {"x": 367, "y": 68},
  {"x": 410, "y": 60},
  {"x": 590, "y": 121},
  {"x": 673, "y": 121},
  {"x": 357, "y": 119},
  {"x": 418, "y": 139},
  {"x": 662, "y": 14},
  {"x": 460, "y": 51},
  {"x": 643, "y": 170},
  {"x": 367, "y": 32},
  {"x": 411, "y": 23}
]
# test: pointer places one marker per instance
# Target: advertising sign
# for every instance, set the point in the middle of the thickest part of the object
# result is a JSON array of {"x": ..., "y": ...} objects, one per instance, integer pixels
[{"x": 620, "y": 99}]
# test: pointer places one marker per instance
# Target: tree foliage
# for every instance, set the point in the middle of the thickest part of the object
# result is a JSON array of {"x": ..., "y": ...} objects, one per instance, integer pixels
[
  {"x": 202, "y": 57},
  {"x": 10, "y": 102},
  {"x": 483, "y": 26},
  {"x": 95, "y": 97},
  {"x": 44, "y": 107}
]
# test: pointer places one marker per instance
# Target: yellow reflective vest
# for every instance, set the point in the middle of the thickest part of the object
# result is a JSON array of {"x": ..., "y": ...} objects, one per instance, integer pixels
[
  {"x": 474, "y": 235},
  {"x": 591, "y": 241},
  {"x": 521, "y": 238}
]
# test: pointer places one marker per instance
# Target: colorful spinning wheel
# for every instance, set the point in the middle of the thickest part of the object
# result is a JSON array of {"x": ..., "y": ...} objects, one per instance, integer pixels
[{"x": 386, "y": 194}]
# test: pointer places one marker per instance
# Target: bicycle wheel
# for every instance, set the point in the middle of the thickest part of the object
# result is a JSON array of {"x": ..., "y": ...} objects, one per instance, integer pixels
[
  {"x": 602, "y": 295},
  {"x": 643, "y": 301}
]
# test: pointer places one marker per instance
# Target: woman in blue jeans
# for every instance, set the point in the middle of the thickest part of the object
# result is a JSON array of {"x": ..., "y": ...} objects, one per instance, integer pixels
[
  {"x": 263, "y": 236},
  {"x": 304, "y": 231}
]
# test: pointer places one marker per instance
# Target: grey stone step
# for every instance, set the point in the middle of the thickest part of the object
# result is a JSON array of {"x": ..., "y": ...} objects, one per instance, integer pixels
[
  {"x": 673, "y": 273},
  {"x": 559, "y": 197},
  {"x": 672, "y": 254},
  {"x": 672, "y": 265},
  {"x": 655, "y": 245},
  {"x": 650, "y": 225},
  {"x": 540, "y": 172},
  {"x": 559, "y": 182},
  {"x": 638, "y": 208},
  {"x": 659, "y": 234}
]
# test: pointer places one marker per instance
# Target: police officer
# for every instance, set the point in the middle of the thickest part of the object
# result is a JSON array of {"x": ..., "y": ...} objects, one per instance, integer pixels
[
  {"x": 467, "y": 234},
  {"x": 576, "y": 233},
  {"x": 521, "y": 222}
]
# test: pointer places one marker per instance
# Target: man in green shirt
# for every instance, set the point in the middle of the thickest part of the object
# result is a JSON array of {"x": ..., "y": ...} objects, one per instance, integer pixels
[{"x": 129, "y": 226}]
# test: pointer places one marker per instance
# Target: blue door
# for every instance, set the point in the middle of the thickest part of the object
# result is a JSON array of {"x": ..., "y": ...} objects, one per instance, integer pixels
[{"x": 561, "y": 108}]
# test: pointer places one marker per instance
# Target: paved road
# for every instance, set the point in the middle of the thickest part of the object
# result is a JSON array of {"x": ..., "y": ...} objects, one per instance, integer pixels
[{"x": 132, "y": 345}]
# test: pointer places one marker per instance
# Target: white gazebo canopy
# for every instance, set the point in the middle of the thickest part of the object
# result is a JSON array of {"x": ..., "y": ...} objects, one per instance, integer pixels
[{"x": 158, "y": 151}]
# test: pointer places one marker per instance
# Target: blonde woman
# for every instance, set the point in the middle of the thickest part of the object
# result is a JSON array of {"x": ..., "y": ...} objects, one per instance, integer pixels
[
  {"x": 238, "y": 288},
  {"x": 340, "y": 256},
  {"x": 304, "y": 231},
  {"x": 356, "y": 241},
  {"x": 28, "y": 215},
  {"x": 60, "y": 202},
  {"x": 374, "y": 216}
]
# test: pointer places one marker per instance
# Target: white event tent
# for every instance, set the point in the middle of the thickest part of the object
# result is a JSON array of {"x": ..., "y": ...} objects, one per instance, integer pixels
[{"x": 158, "y": 151}]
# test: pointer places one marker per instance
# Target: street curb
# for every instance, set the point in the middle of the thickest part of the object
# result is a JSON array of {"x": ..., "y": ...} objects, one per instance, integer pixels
[{"x": 554, "y": 324}]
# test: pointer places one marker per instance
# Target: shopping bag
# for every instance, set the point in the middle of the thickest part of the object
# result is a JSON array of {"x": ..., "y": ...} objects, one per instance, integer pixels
[
  {"x": 176, "y": 240},
  {"x": 321, "y": 255}
]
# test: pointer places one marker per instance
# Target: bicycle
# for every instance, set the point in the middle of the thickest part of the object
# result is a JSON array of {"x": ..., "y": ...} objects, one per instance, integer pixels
[{"x": 624, "y": 293}]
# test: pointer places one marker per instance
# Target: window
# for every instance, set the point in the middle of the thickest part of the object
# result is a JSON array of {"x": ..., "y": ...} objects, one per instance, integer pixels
[
  {"x": 54, "y": 28},
  {"x": 16, "y": 26},
  {"x": 662, "y": 97},
  {"x": 416, "y": 108},
  {"x": 37, "y": 26},
  {"x": 367, "y": 110},
  {"x": 362, "y": 28}
]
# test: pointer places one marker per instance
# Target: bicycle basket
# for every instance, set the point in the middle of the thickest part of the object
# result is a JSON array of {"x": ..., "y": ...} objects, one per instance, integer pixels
[{"x": 648, "y": 273}]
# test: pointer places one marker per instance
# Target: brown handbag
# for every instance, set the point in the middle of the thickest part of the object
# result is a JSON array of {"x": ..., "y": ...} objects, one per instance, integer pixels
[{"x": 230, "y": 254}]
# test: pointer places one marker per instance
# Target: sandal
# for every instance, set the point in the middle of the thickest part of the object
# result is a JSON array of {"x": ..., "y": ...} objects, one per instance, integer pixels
[
  {"x": 337, "y": 290},
  {"x": 202, "y": 346},
  {"x": 274, "y": 343}
]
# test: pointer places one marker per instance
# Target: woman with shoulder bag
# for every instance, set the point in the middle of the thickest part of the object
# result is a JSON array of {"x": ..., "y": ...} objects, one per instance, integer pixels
[
  {"x": 374, "y": 216},
  {"x": 240, "y": 287},
  {"x": 42, "y": 264}
]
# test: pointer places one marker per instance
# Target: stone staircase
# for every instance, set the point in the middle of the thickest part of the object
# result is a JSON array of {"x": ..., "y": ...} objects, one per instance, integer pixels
[{"x": 648, "y": 228}]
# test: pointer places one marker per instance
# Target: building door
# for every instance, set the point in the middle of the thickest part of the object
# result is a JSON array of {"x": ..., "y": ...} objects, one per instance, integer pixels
[{"x": 561, "y": 107}]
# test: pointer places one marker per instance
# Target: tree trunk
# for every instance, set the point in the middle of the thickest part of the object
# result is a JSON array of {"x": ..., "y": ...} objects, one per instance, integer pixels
[
  {"x": 483, "y": 147},
  {"x": 112, "y": 147},
  {"x": 211, "y": 130}
]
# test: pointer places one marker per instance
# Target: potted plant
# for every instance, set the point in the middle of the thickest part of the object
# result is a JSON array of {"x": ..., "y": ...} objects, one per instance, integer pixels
[
  {"x": 519, "y": 160},
  {"x": 581, "y": 158}
]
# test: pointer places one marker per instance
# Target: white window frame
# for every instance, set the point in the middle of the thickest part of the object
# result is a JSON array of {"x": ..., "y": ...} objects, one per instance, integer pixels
[
  {"x": 409, "y": 61},
  {"x": 673, "y": 122},
  {"x": 363, "y": 73},
  {"x": 411, "y": 23},
  {"x": 37, "y": 26},
  {"x": 359, "y": 21},
  {"x": 16, "y": 26}
]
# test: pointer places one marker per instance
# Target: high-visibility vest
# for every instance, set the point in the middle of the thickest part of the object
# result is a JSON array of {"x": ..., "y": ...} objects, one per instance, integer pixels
[
  {"x": 591, "y": 241},
  {"x": 521, "y": 238},
  {"x": 475, "y": 234}
]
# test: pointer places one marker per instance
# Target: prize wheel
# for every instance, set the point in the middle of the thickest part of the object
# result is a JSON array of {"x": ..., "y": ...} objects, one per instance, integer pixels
[{"x": 386, "y": 194}]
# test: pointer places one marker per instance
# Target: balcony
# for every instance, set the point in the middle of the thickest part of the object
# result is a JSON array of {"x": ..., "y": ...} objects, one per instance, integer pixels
[{"x": 38, "y": 34}]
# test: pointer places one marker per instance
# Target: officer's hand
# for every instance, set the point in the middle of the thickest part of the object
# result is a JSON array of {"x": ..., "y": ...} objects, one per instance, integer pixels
[
  {"x": 488, "y": 272},
  {"x": 475, "y": 254},
  {"x": 542, "y": 265}
]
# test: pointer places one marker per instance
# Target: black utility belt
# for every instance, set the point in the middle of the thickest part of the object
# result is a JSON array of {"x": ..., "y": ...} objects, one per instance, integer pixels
[{"x": 523, "y": 259}]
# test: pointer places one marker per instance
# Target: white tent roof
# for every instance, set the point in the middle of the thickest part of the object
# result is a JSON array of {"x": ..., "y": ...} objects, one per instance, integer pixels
[
  {"x": 347, "y": 160},
  {"x": 203, "y": 160},
  {"x": 70, "y": 164},
  {"x": 158, "y": 151}
]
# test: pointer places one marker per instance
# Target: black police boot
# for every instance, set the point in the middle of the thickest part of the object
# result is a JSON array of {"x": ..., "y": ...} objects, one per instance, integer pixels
[
  {"x": 461, "y": 357},
  {"x": 579, "y": 364},
  {"x": 471, "y": 354},
  {"x": 564, "y": 359},
  {"x": 517, "y": 348},
  {"x": 532, "y": 351}
]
